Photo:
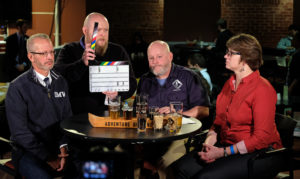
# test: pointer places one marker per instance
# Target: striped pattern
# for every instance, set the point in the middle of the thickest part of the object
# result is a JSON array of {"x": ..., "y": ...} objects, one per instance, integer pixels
[
  {"x": 94, "y": 36},
  {"x": 112, "y": 63}
]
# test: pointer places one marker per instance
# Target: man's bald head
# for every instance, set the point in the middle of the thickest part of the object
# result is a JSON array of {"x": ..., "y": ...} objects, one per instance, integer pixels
[
  {"x": 91, "y": 18},
  {"x": 159, "y": 43},
  {"x": 103, "y": 31},
  {"x": 160, "y": 59}
]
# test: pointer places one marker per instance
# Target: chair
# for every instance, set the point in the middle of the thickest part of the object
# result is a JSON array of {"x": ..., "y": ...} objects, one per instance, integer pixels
[
  {"x": 285, "y": 126},
  {"x": 195, "y": 142},
  {"x": 5, "y": 164}
]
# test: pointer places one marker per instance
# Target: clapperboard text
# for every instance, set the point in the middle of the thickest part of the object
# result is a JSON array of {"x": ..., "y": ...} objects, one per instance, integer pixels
[{"x": 109, "y": 76}]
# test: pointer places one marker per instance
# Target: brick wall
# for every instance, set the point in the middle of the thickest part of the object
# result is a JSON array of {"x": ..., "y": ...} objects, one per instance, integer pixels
[
  {"x": 267, "y": 20},
  {"x": 128, "y": 16}
]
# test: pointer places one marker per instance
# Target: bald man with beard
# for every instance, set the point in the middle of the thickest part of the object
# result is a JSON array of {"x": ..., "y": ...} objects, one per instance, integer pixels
[{"x": 73, "y": 60}]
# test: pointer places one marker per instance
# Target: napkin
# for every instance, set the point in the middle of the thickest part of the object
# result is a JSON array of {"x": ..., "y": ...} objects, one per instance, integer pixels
[{"x": 186, "y": 120}]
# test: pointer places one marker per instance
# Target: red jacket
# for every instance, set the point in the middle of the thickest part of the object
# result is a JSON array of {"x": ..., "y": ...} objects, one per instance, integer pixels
[{"x": 247, "y": 114}]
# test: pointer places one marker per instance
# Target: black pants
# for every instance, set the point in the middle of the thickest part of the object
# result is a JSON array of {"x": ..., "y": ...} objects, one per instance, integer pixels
[{"x": 235, "y": 166}]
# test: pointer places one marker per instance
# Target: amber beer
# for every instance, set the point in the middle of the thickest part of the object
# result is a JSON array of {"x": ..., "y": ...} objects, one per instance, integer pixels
[
  {"x": 178, "y": 118},
  {"x": 114, "y": 111},
  {"x": 176, "y": 108}
]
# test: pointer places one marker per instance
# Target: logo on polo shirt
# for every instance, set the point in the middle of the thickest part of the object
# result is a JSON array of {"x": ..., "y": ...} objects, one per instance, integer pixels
[
  {"x": 60, "y": 94},
  {"x": 177, "y": 85}
]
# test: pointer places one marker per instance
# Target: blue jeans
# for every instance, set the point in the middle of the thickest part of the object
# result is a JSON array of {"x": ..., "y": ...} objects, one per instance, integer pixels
[{"x": 31, "y": 167}]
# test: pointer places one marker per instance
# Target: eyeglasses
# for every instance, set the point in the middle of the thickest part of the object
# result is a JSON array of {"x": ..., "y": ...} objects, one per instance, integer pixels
[
  {"x": 230, "y": 53},
  {"x": 44, "y": 54}
]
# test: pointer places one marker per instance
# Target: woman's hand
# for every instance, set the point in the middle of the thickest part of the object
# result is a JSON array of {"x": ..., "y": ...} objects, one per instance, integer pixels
[{"x": 210, "y": 153}]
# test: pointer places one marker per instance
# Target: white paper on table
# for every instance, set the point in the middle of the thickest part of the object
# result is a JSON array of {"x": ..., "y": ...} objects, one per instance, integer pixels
[{"x": 187, "y": 121}]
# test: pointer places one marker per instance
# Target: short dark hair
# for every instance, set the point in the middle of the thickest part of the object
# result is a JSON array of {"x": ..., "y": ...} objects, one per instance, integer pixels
[
  {"x": 249, "y": 48},
  {"x": 293, "y": 27},
  {"x": 197, "y": 58},
  {"x": 20, "y": 22},
  {"x": 222, "y": 23}
]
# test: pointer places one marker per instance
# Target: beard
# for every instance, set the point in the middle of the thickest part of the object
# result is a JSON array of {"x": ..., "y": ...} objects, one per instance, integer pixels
[
  {"x": 100, "y": 50},
  {"x": 161, "y": 71},
  {"x": 47, "y": 66}
]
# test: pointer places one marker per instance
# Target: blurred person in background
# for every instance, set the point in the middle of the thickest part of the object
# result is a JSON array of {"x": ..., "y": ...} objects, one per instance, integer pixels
[
  {"x": 16, "y": 60},
  {"x": 285, "y": 43},
  {"x": 294, "y": 66}
]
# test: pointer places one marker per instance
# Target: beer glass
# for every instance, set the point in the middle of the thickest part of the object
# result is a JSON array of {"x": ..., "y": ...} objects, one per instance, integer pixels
[
  {"x": 141, "y": 122},
  {"x": 114, "y": 107},
  {"x": 152, "y": 111},
  {"x": 141, "y": 103},
  {"x": 158, "y": 121},
  {"x": 176, "y": 109}
]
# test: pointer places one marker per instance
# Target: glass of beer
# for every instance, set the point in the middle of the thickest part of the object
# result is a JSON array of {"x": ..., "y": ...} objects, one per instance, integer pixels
[
  {"x": 114, "y": 107},
  {"x": 176, "y": 109},
  {"x": 152, "y": 111},
  {"x": 141, "y": 103},
  {"x": 141, "y": 122},
  {"x": 158, "y": 121},
  {"x": 127, "y": 111}
]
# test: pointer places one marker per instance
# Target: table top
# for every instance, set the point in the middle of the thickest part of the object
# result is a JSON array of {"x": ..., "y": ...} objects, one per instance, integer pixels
[{"x": 79, "y": 127}]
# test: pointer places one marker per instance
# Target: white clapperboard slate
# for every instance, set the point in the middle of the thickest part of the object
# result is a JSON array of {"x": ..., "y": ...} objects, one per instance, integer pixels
[{"x": 109, "y": 76}]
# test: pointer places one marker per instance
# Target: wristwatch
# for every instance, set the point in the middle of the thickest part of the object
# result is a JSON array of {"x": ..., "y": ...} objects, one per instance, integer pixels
[{"x": 225, "y": 153}]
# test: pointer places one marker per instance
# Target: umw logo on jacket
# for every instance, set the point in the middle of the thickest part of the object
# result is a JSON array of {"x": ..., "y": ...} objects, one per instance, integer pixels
[{"x": 60, "y": 94}]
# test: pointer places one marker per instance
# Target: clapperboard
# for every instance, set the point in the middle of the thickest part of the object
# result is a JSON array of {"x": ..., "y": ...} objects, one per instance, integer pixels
[{"x": 109, "y": 76}]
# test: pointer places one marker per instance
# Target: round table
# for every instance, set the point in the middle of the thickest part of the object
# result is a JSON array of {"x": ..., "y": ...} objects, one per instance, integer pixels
[{"x": 79, "y": 127}]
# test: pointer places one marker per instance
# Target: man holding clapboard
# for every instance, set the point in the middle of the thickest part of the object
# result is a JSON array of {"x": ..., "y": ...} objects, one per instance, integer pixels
[{"x": 74, "y": 59}]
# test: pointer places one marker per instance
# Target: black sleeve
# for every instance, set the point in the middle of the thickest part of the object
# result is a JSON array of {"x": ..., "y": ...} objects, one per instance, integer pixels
[{"x": 69, "y": 63}]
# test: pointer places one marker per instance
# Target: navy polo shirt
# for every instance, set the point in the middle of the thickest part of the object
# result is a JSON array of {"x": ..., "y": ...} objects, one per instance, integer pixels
[{"x": 181, "y": 85}]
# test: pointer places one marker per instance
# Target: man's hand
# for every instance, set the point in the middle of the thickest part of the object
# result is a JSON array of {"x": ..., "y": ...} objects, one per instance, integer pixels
[
  {"x": 63, "y": 152},
  {"x": 62, "y": 164},
  {"x": 164, "y": 110},
  {"x": 54, "y": 163},
  {"x": 110, "y": 94},
  {"x": 88, "y": 54},
  {"x": 62, "y": 156}
]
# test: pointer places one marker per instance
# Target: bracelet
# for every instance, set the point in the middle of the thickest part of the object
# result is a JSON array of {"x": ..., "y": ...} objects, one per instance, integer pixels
[
  {"x": 225, "y": 153},
  {"x": 231, "y": 149}
]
